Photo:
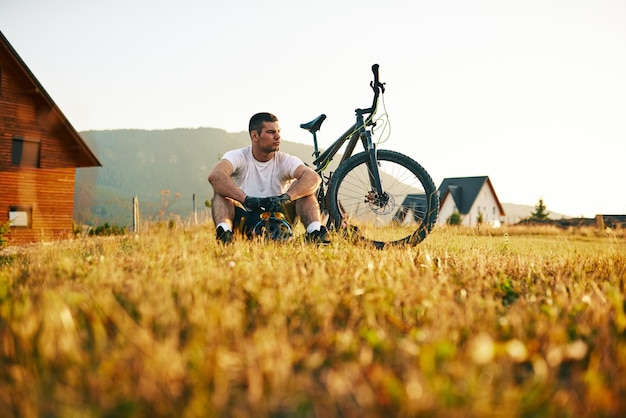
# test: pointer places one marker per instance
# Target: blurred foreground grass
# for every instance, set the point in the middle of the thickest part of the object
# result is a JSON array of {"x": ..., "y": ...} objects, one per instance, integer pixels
[{"x": 169, "y": 323}]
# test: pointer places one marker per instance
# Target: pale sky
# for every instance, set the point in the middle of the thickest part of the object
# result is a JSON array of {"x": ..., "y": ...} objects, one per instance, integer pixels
[{"x": 531, "y": 93}]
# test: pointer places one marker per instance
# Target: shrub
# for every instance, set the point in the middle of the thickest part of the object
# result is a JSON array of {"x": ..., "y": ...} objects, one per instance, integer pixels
[
  {"x": 455, "y": 218},
  {"x": 107, "y": 229},
  {"x": 4, "y": 230}
]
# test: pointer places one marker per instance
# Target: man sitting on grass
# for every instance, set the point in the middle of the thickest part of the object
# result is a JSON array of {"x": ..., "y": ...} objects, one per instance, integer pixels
[{"x": 248, "y": 180}]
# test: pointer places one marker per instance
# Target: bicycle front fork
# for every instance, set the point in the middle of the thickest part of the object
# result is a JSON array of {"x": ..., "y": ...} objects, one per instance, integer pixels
[
  {"x": 323, "y": 201},
  {"x": 378, "y": 194}
]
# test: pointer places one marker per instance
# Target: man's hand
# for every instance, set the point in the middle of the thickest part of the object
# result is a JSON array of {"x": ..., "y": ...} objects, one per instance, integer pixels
[
  {"x": 274, "y": 203},
  {"x": 253, "y": 203}
]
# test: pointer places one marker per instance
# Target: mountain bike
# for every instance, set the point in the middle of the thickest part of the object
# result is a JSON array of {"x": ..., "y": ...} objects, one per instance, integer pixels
[{"x": 376, "y": 196}]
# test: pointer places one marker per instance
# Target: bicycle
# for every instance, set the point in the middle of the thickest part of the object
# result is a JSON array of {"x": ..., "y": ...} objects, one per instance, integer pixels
[{"x": 371, "y": 194}]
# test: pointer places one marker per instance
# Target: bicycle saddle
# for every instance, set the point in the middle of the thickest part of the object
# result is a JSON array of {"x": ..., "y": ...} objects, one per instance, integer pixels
[{"x": 315, "y": 124}]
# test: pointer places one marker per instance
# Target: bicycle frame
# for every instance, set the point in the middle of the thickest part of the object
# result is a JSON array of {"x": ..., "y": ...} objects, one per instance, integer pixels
[{"x": 359, "y": 131}]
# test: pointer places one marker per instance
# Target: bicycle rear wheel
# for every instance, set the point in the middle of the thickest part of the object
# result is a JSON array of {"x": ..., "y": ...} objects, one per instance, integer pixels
[{"x": 405, "y": 213}]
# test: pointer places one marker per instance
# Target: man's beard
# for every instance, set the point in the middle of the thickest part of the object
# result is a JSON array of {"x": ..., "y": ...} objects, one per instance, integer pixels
[{"x": 272, "y": 148}]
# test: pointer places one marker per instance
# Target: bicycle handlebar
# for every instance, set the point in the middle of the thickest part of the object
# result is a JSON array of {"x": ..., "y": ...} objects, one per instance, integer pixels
[
  {"x": 376, "y": 83},
  {"x": 378, "y": 88}
]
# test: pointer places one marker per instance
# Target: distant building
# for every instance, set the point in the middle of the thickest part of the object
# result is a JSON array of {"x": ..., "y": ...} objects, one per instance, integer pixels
[
  {"x": 39, "y": 154},
  {"x": 474, "y": 198}
]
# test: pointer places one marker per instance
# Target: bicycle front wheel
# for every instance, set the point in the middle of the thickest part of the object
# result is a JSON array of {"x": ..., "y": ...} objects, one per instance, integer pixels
[{"x": 404, "y": 213}]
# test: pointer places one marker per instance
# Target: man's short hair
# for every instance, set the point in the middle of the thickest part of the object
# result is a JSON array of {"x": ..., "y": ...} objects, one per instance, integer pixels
[{"x": 256, "y": 121}]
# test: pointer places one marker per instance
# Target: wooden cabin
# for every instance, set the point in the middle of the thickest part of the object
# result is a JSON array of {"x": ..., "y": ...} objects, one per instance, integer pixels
[{"x": 39, "y": 154}]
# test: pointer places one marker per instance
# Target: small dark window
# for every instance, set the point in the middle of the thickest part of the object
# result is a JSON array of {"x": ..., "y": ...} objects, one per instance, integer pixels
[
  {"x": 21, "y": 216},
  {"x": 25, "y": 152}
]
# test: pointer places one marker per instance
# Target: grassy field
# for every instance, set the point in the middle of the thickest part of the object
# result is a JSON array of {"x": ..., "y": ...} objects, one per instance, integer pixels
[{"x": 511, "y": 322}]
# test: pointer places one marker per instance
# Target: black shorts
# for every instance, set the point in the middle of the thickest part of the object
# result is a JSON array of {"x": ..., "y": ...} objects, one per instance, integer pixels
[{"x": 245, "y": 221}]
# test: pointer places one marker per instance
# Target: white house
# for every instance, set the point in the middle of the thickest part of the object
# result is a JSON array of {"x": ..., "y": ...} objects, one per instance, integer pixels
[{"x": 473, "y": 198}]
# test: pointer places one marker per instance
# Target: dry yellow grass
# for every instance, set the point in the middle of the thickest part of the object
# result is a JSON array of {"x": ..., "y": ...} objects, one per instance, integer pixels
[{"x": 509, "y": 322}]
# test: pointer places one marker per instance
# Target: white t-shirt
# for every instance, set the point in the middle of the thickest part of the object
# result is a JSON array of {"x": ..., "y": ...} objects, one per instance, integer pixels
[{"x": 262, "y": 179}]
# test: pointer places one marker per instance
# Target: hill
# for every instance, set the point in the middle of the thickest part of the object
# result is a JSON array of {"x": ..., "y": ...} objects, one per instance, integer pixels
[{"x": 166, "y": 169}]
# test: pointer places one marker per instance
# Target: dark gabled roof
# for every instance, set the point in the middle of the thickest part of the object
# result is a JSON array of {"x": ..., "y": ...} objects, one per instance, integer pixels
[
  {"x": 464, "y": 191},
  {"x": 88, "y": 156}
]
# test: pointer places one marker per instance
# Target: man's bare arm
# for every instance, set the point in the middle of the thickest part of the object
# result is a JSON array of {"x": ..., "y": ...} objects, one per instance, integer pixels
[
  {"x": 223, "y": 184},
  {"x": 307, "y": 184}
]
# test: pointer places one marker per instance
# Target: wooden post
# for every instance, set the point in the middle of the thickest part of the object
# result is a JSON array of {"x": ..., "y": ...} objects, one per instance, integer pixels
[
  {"x": 135, "y": 214},
  {"x": 195, "y": 214},
  {"x": 600, "y": 222}
]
